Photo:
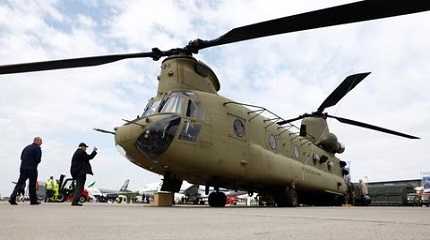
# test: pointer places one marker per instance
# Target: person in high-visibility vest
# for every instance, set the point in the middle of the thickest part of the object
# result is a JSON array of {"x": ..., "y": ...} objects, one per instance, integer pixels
[
  {"x": 49, "y": 185},
  {"x": 56, "y": 190}
]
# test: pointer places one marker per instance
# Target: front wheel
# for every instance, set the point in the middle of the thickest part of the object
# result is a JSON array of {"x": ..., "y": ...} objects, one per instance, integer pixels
[
  {"x": 82, "y": 199},
  {"x": 61, "y": 198}
]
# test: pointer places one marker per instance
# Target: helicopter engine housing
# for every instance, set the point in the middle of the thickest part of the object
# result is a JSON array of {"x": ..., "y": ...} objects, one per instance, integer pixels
[{"x": 315, "y": 129}]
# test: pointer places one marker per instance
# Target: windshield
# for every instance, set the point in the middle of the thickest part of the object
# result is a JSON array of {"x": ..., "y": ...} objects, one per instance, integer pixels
[
  {"x": 151, "y": 107},
  {"x": 182, "y": 103},
  {"x": 174, "y": 103}
]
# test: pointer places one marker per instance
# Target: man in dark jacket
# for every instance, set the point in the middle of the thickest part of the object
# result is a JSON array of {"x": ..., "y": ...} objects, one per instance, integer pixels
[
  {"x": 79, "y": 170},
  {"x": 30, "y": 158}
]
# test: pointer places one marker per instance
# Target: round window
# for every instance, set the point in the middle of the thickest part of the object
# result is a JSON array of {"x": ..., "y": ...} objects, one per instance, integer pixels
[{"x": 239, "y": 127}]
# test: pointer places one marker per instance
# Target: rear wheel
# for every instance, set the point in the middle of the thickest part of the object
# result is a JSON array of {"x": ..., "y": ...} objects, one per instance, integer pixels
[{"x": 217, "y": 199}]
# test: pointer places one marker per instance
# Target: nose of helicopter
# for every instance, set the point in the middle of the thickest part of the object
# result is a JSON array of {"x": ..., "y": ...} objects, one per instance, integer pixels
[
  {"x": 125, "y": 138},
  {"x": 151, "y": 138}
]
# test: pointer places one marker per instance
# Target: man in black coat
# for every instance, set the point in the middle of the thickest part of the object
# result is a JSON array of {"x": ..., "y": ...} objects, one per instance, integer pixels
[
  {"x": 30, "y": 159},
  {"x": 79, "y": 170}
]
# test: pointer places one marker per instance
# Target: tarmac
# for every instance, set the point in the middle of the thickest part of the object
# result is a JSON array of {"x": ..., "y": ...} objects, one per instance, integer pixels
[{"x": 60, "y": 221}]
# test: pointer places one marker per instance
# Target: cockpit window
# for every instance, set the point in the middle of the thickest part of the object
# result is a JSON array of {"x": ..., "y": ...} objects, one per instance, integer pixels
[
  {"x": 151, "y": 107},
  {"x": 175, "y": 103},
  {"x": 182, "y": 103},
  {"x": 191, "y": 109}
]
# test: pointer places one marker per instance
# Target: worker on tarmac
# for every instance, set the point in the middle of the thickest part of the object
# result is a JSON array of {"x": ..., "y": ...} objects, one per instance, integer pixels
[
  {"x": 56, "y": 189},
  {"x": 49, "y": 185}
]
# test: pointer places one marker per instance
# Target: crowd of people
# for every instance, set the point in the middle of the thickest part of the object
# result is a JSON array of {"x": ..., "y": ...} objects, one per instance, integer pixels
[{"x": 31, "y": 157}]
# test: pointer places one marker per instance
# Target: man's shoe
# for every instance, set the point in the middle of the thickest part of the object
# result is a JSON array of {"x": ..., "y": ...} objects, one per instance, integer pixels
[
  {"x": 77, "y": 204},
  {"x": 35, "y": 203},
  {"x": 12, "y": 202}
]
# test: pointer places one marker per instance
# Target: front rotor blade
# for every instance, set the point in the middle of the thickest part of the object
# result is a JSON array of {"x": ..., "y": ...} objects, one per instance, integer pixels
[
  {"x": 348, "y": 13},
  {"x": 347, "y": 85},
  {"x": 365, "y": 125},
  {"x": 70, "y": 63}
]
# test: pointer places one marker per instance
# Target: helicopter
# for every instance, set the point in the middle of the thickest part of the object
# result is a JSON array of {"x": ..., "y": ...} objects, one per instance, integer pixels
[{"x": 189, "y": 132}]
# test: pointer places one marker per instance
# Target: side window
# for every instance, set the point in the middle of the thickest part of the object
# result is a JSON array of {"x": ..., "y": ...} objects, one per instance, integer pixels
[
  {"x": 190, "y": 131},
  {"x": 190, "y": 108},
  {"x": 193, "y": 109},
  {"x": 237, "y": 125}
]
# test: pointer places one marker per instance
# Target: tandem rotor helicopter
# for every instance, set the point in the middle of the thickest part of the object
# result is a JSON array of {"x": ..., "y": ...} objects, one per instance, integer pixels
[{"x": 189, "y": 132}]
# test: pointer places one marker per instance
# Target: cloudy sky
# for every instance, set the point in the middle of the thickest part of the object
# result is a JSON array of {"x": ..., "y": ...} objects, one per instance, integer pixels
[{"x": 289, "y": 74}]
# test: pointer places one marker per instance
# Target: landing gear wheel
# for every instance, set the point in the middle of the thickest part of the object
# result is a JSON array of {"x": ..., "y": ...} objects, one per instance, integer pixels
[
  {"x": 82, "y": 199},
  {"x": 339, "y": 200},
  {"x": 62, "y": 198},
  {"x": 217, "y": 199}
]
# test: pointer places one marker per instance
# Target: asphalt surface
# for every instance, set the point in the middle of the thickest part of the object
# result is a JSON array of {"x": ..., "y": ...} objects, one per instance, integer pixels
[{"x": 134, "y": 221}]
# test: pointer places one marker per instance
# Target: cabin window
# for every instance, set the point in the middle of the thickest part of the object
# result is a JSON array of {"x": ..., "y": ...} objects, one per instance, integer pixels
[{"x": 239, "y": 127}]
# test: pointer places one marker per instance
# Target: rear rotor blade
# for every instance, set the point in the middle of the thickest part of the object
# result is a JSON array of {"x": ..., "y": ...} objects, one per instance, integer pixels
[
  {"x": 292, "y": 119},
  {"x": 348, "y": 13},
  {"x": 365, "y": 125},
  {"x": 347, "y": 85}
]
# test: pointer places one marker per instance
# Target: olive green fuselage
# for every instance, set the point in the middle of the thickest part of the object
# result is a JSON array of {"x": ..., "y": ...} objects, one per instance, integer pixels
[{"x": 236, "y": 147}]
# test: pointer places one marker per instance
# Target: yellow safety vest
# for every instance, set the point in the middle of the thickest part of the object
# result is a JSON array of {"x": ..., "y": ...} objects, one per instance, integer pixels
[
  {"x": 49, "y": 184},
  {"x": 55, "y": 186}
]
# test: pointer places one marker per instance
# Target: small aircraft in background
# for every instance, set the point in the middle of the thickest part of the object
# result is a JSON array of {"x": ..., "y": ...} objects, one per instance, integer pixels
[
  {"x": 197, "y": 194},
  {"x": 108, "y": 195}
]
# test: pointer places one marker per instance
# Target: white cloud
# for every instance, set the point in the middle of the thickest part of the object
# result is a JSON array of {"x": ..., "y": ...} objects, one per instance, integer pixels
[{"x": 291, "y": 73}]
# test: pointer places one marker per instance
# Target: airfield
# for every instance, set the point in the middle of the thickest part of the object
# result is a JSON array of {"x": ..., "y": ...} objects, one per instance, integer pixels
[{"x": 134, "y": 221}]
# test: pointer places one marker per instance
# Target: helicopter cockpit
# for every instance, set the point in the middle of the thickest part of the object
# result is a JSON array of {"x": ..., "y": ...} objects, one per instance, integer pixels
[
  {"x": 180, "y": 102},
  {"x": 176, "y": 105}
]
